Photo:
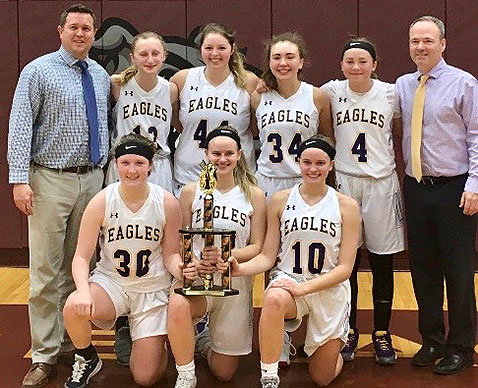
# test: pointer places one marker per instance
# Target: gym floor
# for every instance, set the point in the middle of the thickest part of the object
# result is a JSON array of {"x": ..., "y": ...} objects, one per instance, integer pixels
[{"x": 362, "y": 372}]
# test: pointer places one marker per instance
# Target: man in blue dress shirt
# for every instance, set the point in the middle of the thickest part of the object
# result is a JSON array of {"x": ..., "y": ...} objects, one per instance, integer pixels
[
  {"x": 442, "y": 202},
  {"x": 53, "y": 176}
]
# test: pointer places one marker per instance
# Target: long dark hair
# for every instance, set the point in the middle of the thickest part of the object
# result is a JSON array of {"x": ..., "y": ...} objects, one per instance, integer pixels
[{"x": 293, "y": 37}]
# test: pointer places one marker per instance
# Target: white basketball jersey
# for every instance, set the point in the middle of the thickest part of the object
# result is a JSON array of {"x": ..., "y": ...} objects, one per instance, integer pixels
[
  {"x": 232, "y": 210},
  {"x": 203, "y": 107},
  {"x": 310, "y": 235},
  {"x": 131, "y": 242},
  {"x": 283, "y": 123},
  {"x": 363, "y": 128},
  {"x": 145, "y": 113}
]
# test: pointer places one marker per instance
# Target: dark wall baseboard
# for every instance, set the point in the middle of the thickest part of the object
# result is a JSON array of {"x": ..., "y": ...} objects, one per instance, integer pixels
[
  {"x": 14, "y": 257},
  {"x": 11, "y": 257}
]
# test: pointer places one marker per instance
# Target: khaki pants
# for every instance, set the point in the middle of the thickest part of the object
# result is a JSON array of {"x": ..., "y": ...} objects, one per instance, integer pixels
[{"x": 59, "y": 200}]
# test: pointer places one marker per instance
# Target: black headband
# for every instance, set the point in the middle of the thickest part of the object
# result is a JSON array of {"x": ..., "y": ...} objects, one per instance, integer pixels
[
  {"x": 317, "y": 143},
  {"x": 361, "y": 45},
  {"x": 134, "y": 147},
  {"x": 223, "y": 132}
]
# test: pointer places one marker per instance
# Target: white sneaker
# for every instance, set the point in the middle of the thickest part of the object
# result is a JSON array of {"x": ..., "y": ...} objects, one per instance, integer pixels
[
  {"x": 287, "y": 350},
  {"x": 186, "y": 380},
  {"x": 203, "y": 343},
  {"x": 270, "y": 382}
]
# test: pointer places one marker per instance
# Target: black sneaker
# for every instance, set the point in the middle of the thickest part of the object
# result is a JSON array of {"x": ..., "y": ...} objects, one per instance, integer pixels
[
  {"x": 384, "y": 352},
  {"x": 123, "y": 345},
  {"x": 348, "y": 352},
  {"x": 83, "y": 371},
  {"x": 428, "y": 354}
]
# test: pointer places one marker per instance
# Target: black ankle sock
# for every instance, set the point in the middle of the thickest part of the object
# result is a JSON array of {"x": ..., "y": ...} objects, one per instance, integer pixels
[
  {"x": 121, "y": 322},
  {"x": 87, "y": 353}
]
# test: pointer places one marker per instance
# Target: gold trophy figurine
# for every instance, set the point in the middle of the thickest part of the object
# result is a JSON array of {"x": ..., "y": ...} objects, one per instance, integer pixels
[{"x": 207, "y": 184}]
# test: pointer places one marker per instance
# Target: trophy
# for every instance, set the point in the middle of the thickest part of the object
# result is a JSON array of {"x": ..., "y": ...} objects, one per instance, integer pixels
[{"x": 207, "y": 184}]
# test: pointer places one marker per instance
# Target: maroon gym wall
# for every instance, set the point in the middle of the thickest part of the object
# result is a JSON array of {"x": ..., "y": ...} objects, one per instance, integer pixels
[{"x": 29, "y": 30}]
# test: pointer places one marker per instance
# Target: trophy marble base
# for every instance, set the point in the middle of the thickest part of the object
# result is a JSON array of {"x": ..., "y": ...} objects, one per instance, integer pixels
[{"x": 200, "y": 290}]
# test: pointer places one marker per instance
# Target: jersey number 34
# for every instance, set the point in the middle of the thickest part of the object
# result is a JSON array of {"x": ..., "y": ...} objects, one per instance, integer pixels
[{"x": 278, "y": 156}]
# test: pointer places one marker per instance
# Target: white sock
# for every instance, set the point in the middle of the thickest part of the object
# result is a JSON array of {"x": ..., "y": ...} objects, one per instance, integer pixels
[
  {"x": 269, "y": 370},
  {"x": 187, "y": 368}
]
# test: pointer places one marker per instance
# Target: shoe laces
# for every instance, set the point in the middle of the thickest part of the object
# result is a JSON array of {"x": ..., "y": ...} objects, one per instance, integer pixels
[
  {"x": 79, "y": 368},
  {"x": 383, "y": 342},
  {"x": 203, "y": 343},
  {"x": 292, "y": 349},
  {"x": 186, "y": 380},
  {"x": 350, "y": 341},
  {"x": 270, "y": 382}
]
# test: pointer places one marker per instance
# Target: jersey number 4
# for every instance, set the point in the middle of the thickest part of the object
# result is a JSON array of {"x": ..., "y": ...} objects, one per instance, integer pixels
[
  {"x": 315, "y": 261},
  {"x": 201, "y": 132},
  {"x": 293, "y": 149},
  {"x": 359, "y": 148},
  {"x": 142, "y": 262}
]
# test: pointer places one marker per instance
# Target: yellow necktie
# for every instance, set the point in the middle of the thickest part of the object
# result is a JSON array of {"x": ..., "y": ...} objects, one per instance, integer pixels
[{"x": 416, "y": 130}]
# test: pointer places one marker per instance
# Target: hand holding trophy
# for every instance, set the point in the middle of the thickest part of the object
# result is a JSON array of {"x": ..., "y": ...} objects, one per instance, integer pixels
[{"x": 207, "y": 184}]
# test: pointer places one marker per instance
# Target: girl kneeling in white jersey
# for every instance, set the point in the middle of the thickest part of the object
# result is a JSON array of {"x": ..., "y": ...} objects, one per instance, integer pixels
[
  {"x": 212, "y": 95},
  {"x": 144, "y": 104},
  {"x": 313, "y": 230},
  {"x": 366, "y": 117},
  {"x": 288, "y": 113},
  {"x": 239, "y": 205},
  {"x": 137, "y": 223}
]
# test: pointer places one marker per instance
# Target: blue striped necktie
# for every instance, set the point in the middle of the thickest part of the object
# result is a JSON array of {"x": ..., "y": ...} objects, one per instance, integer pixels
[{"x": 91, "y": 111}]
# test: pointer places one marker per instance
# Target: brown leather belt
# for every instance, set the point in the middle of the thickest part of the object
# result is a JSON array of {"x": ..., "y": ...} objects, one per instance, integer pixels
[{"x": 73, "y": 170}]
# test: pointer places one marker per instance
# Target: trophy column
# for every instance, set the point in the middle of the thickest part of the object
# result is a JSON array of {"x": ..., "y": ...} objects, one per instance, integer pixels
[
  {"x": 208, "y": 206},
  {"x": 187, "y": 254}
]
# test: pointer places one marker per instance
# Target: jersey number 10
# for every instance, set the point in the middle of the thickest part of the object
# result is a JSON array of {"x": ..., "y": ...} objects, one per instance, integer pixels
[{"x": 315, "y": 261}]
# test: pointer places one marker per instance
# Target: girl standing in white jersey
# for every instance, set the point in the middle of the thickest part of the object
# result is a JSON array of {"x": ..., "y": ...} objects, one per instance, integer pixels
[
  {"x": 239, "y": 205},
  {"x": 288, "y": 113},
  {"x": 211, "y": 95},
  {"x": 144, "y": 104},
  {"x": 366, "y": 115},
  {"x": 313, "y": 230}
]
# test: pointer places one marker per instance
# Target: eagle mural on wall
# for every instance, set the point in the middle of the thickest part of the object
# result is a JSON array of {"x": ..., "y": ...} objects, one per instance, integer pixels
[{"x": 113, "y": 39}]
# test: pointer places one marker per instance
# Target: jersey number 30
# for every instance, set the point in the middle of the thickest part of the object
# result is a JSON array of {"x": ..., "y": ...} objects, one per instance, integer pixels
[
  {"x": 315, "y": 261},
  {"x": 142, "y": 262}
]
